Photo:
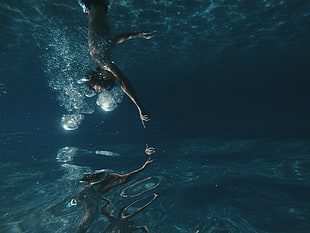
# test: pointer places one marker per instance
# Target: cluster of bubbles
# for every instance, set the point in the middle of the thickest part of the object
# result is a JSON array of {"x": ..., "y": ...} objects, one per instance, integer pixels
[
  {"x": 109, "y": 100},
  {"x": 67, "y": 59},
  {"x": 71, "y": 121},
  {"x": 66, "y": 156},
  {"x": 64, "y": 57},
  {"x": 68, "y": 153}
]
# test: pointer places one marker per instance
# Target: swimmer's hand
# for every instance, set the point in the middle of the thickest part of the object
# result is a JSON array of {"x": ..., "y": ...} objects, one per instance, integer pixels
[
  {"x": 146, "y": 35},
  {"x": 144, "y": 117},
  {"x": 149, "y": 150}
]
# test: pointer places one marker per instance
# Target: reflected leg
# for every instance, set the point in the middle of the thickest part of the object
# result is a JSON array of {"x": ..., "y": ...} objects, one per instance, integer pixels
[
  {"x": 90, "y": 199},
  {"x": 105, "y": 211},
  {"x": 122, "y": 214},
  {"x": 143, "y": 228}
]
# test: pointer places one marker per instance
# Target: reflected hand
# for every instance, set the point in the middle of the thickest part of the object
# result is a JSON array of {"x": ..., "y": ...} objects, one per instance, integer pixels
[
  {"x": 146, "y": 35},
  {"x": 149, "y": 150}
]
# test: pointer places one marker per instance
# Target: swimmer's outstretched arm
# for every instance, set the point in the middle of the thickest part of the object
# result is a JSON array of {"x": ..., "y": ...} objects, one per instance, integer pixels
[
  {"x": 120, "y": 38},
  {"x": 128, "y": 90},
  {"x": 126, "y": 177}
]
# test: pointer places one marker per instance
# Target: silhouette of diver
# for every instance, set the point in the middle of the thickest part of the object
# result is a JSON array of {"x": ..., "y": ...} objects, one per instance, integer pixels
[
  {"x": 99, "y": 184},
  {"x": 101, "y": 43}
]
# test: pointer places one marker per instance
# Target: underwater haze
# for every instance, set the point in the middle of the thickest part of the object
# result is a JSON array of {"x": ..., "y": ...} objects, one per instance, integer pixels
[{"x": 227, "y": 87}]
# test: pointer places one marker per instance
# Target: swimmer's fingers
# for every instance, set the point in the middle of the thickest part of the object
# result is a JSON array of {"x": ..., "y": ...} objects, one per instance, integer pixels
[{"x": 145, "y": 117}]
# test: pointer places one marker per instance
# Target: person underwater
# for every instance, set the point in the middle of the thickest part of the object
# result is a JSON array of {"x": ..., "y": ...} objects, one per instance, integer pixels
[{"x": 101, "y": 43}]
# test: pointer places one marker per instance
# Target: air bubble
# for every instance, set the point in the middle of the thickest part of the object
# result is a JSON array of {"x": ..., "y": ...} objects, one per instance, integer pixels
[{"x": 71, "y": 121}]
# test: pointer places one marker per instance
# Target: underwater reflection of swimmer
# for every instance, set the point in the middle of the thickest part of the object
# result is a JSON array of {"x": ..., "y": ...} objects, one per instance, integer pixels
[
  {"x": 97, "y": 185},
  {"x": 121, "y": 223},
  {"x": 101, "y": 43}
]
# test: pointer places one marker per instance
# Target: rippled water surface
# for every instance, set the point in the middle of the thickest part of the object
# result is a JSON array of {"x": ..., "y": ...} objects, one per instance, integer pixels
[{"x": 219, "y": 185}]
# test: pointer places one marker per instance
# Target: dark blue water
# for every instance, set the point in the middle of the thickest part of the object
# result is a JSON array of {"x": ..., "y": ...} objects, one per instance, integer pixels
[{"x": 227, "y": 86}]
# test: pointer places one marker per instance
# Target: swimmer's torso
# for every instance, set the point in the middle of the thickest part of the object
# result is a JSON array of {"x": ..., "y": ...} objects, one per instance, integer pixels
[{"x": 99, "y": 36}]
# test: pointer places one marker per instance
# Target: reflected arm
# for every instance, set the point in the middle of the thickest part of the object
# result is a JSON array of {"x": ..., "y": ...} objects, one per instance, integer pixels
[{"x": 128, "y": 176}]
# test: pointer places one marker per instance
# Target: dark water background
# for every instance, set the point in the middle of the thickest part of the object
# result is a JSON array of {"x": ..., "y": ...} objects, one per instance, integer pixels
[{"x": 227, "y": 86}]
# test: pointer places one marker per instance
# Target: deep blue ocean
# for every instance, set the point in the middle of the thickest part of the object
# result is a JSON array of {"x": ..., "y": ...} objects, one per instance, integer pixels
[{"x": 227, "y": 84}]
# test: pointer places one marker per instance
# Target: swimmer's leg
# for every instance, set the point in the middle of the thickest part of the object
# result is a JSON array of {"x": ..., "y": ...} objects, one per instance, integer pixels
[
  {"x": 105, "y": 211},
  {"x": 143, "y": 228},
  {"x": 90, "y": 200},
  {"x": 122, "y": 214}
]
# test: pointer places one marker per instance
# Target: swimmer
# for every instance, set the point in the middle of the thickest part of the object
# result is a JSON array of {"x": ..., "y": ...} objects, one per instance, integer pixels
[{"x": 100, "y": 43}]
